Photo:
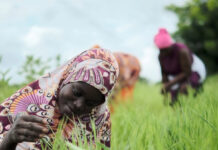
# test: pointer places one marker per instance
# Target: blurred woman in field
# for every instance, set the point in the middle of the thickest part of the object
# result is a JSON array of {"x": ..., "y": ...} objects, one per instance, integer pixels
[
  {"x": 129, "y": 73},
  {"x": 76, "y": 92},
  {"x": 179, "y": 66}
]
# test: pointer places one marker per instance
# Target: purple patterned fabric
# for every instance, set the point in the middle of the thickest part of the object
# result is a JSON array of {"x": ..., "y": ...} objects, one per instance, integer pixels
[{"x": 96, "y": 67}]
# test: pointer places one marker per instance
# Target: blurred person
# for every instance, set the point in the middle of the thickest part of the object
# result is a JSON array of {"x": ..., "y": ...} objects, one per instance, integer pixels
[
  {"x": 96, "y": 46},
  {"x": 78, "y": 90},
  {"x": 129, "y": 67},
  {"x": 179, "y": 66}
]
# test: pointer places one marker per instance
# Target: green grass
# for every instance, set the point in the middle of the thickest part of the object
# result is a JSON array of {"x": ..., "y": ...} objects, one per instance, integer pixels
[{"x": 146, "y": 124}]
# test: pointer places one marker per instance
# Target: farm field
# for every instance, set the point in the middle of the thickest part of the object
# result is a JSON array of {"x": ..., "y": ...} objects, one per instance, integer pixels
[{"x": 145, "y": 123}]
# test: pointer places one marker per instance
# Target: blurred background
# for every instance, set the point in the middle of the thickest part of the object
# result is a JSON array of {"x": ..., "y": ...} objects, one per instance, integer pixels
[{"x": 52, "y": 28}]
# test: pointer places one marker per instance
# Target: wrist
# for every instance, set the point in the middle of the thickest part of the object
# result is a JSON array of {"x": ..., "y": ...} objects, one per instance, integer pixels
[
  {"x": 166, "y": 84},
  {"x": 10, "y": 138},
  {"x": 8, "y": 142}
]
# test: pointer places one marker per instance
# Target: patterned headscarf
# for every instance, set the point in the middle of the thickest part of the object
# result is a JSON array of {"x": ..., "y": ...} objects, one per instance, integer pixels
[{"x": 96, "y": 67}]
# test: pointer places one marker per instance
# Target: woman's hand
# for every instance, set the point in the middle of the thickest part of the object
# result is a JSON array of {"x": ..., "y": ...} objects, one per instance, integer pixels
[
  {"x": 27, "y": 128},
  {"x": 165, "y": 88},
  {"x": 183, "y": 88}
]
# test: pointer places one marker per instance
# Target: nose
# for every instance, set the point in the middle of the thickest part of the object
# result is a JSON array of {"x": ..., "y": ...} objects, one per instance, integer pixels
[{"x": 78, "y": 104}]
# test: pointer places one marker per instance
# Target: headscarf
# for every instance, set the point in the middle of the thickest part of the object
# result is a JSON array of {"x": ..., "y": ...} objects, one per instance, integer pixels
[
  {"x": 163, "y": 39},
  {"x": 129, "y": 68},
  {"x": 96, "y": 46},
  {"x": 96, "y": 67}
]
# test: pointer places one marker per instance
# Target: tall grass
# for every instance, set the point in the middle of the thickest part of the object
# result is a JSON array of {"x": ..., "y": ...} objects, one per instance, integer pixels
[{"x": 144, "y": 123}]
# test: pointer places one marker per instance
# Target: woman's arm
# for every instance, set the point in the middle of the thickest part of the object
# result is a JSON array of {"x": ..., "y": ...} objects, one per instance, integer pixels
[
  {"x": 7, "y": 143},
  {"x": 163, "y": 74},
  {"x": 165, "y": 79},
  {"x": 185, "y": 63}
]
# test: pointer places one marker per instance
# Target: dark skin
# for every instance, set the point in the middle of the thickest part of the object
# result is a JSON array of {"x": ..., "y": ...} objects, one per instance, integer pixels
[
  {"x": 186, "y": 70},
  {"x": 74, "y": 99},
  {"x": 25, "y": 129},
  {"x": 79, "y": 98}
]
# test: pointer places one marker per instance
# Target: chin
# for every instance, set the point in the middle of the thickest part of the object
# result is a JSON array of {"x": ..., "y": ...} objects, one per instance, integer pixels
[
  {"x": 81, "y": 113},
  {"x": 63, "y": 113}
]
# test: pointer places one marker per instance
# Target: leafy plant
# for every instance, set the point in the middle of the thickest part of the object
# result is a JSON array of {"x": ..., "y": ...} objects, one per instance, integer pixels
[
  {"x": 33, "y": 68},
  {"x": 198, "y": 28},
  {"x": 4, "y": 79}
]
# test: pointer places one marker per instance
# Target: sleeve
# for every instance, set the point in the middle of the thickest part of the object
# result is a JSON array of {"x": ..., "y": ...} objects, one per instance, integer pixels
[
  {"x": 105, "y": 131},
  {"x": 6, "y": 118},
  {"x": 5, "y": 121},
  {"x": 163, "y": 74}
]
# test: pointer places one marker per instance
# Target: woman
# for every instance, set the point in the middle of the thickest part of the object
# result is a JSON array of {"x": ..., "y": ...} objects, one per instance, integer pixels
[
  {"x": 77, "y": 90},
  {"x": 179, "y": 66},
  {"x": 129, "y": 67}
]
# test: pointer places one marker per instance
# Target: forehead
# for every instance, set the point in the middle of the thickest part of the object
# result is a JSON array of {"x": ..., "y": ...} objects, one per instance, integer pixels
[{"x": 89, "y": 90}]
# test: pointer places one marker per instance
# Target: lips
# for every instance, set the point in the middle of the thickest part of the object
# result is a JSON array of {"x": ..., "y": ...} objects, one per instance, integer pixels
[
  {"x": 74, "y": 110},
  {"x": 67, "y": 111}
]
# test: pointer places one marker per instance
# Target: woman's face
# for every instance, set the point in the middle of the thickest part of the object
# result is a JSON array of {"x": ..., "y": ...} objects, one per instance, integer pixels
[
  {"x": 165, "y": 51},
  {"x": 79, "y": 98}
]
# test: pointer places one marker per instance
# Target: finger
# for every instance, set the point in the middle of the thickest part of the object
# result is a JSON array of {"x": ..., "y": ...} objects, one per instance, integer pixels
[
  {"x": 30, "y": 134},
  {"x": 22, "y": 138},
  {"x": 32, "y": 118},
  {"x": 33, "y": 126}
]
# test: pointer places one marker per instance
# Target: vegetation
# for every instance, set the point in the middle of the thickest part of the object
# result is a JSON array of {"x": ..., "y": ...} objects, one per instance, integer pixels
[
  {"x": 198, "y": 28},
  {"x": 36, "y": 67},
  {"x": 145, "y": 123}
]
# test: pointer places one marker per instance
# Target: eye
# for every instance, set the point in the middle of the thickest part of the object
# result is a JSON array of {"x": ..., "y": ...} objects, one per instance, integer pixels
[
  {"x": 89, "y": 103},
  {"x": 92, "y": 103},
  {"x": 77, "y": 93}
]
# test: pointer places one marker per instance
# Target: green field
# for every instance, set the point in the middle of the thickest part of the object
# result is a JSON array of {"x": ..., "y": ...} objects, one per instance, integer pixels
[{"x": 146, "y": 124}]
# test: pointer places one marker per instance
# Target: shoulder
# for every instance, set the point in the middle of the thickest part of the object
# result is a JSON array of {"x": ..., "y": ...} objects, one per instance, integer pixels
[
  {"x": 182, "y": 48},
  {"x": 180, "y": 45},
  {"x": 184, "y": 53}
]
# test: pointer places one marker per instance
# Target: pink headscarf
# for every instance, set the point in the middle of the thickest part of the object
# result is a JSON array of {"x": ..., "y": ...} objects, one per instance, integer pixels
[{"x": 163, "y": 39}]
